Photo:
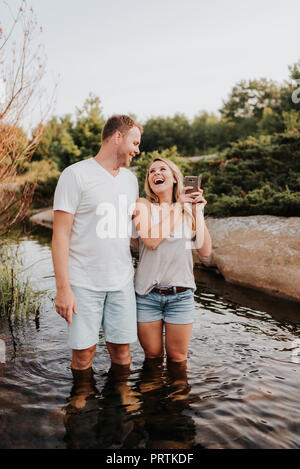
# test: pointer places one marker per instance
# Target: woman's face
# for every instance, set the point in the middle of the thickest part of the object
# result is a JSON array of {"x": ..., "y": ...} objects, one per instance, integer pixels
[{"x": 160, "y": 177}]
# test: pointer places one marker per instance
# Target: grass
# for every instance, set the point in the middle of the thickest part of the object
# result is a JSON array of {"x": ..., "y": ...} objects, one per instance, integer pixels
[{"x": 18, "y": 299}]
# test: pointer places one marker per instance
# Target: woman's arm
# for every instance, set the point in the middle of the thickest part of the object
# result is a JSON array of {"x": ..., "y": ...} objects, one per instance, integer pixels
[
  {"x": 153, "y": 234},
  {"x": 203, "y": 239}
]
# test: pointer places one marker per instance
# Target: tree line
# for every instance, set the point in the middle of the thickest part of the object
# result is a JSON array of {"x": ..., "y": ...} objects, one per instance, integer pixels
[{"x": 253, "y": 108}]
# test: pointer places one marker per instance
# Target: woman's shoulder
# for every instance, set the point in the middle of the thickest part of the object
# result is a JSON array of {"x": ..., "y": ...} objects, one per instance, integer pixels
[
  {"x": 143, "y": 200},
  {"x": 146, "y": 202},
  {"x": 142, "y": 205}
]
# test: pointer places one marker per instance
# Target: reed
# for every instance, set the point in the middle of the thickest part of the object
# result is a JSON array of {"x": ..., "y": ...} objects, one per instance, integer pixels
[{"x": 18, "y": 299}]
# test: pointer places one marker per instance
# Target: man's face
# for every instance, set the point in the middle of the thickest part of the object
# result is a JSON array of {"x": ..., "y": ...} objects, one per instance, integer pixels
[{"x": 129, "y": 146}]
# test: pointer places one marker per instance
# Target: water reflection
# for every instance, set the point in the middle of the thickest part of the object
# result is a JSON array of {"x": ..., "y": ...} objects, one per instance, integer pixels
[
  {"x": 216, "y": 294},
  {"x": 105, "y": 419},
  {"x": 147, "y": 412},
  {"x": 80, "y": 417},
  {"x": 165, "y": 399}
]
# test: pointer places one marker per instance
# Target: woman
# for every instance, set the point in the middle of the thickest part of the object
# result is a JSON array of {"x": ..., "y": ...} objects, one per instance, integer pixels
[{"x": 164, "y": 280}]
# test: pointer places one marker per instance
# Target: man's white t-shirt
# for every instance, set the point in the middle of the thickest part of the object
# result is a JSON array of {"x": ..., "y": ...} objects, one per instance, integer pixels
[{"x": 102, "y": 204}]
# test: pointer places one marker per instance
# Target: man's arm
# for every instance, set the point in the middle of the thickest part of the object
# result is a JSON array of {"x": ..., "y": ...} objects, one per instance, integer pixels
[
  {"x": 134, "y": 242},
  {"x": 65, "y": 298}
]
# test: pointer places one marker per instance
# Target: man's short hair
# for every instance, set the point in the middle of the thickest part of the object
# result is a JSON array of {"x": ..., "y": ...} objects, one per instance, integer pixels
[{"x": 120, "y": 122}]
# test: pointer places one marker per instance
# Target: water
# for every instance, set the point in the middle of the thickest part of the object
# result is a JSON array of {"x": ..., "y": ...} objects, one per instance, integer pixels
[{"x": 240, "y": 388}]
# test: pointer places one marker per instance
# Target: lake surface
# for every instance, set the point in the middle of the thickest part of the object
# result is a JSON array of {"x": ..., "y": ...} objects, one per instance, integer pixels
[{"x": 240, "y": 388}]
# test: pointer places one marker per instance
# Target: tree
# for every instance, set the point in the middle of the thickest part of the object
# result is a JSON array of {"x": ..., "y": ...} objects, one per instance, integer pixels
[
  {"x": 57, "y": 143},
  {"x": 261, "y": 104},
  {"x": 164, "y": 132},
  {"x": 248, "y": 99},
  {"x": 87, "y": 131},
  {"x": 270, "y": 123},
  {"x": 291, "y": 120},
  {"x": 211, "y": 133},
  {"x": 288, "y": 89},
  {"x": 199, "y": 131},
  {"x": 22, "y": 68},
  {"x": 66, "y": 142}
]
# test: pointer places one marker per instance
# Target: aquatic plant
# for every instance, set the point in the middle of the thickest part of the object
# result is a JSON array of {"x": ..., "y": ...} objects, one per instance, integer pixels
[{"x": 18, "y": 298}]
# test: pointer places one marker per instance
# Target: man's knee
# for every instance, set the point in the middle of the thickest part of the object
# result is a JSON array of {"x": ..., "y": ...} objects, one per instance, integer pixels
[
  {"x": 119, "y": 353},
  {"x": 82, "y": 359}
]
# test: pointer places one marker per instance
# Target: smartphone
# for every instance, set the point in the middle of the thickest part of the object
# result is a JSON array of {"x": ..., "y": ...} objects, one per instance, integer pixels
[{"x": 193, "y": 181}]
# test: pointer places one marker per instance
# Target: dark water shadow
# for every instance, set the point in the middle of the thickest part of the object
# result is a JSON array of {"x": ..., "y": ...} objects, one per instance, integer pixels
[
  {"x": 144, "y": 411},
  {"x": 282, "y": 310}
]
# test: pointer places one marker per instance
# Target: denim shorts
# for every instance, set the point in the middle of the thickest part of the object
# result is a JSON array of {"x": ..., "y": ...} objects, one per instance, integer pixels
[
  {"x": 114, "y": 311},
  {"x": 177, "y": 308}
]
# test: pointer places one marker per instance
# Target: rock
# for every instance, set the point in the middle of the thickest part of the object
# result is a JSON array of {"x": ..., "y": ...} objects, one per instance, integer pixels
[
  {"x": 261, "y": 252},
  {"x": 43, "y": 217},
  {"x": 11, "y": 186}
]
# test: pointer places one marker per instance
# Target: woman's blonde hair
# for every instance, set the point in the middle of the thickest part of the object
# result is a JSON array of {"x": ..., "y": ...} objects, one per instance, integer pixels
[{"x": 177, "y": 187}]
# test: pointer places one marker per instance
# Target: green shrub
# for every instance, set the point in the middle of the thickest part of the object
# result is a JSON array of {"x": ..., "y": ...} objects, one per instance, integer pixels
[
  {"x": 255, "y": 176},
  {"x": 257, "y": 202}
]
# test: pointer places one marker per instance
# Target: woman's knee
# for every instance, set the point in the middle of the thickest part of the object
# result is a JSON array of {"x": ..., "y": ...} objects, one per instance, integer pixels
[
  {"x": 176, "y": 357},
  {"x": 154, "y": 350},
  {"x": 154, "y": 354}
]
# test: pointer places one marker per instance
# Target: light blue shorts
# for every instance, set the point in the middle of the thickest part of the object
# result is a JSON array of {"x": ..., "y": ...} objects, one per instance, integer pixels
[
  {"x": 173, "y": 309},
  {"x": 114, "y": 311}
]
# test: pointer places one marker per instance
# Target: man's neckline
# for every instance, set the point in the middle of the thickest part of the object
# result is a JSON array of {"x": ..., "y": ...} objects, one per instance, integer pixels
[{"x": 104, "y": 169}]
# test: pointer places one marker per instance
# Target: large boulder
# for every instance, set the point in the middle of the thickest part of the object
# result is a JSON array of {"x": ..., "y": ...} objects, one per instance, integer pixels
[{"x": 262, "y": 252}]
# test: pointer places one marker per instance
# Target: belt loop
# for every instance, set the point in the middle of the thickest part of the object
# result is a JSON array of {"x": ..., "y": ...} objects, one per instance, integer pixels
[{"x": 174, "y": 290}]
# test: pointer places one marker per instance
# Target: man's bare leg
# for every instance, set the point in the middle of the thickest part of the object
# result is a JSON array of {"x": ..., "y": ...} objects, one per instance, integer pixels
[
  {"x": 83, "y": 359},
  {"x": 119, "y": 353}
]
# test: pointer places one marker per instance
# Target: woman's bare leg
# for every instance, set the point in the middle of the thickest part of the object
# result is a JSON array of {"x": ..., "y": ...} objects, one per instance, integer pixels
[
  {"x": 177, "y": 341},
  {"x": 151, "y": 338}
]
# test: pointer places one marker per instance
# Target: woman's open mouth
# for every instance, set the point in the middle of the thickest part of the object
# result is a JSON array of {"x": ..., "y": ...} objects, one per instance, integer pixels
[{"x": 159, "y": 181}]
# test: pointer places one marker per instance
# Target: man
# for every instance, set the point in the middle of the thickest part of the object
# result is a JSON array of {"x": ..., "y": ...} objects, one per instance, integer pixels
[{"x": 93, "y": 265}]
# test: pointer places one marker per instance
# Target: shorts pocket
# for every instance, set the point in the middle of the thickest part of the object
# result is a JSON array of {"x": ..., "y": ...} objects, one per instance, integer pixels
[{"x": 184, "y": 295}]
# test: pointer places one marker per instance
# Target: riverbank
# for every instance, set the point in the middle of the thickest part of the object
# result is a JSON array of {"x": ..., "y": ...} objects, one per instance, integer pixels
[{"x": 260, "y": 252}]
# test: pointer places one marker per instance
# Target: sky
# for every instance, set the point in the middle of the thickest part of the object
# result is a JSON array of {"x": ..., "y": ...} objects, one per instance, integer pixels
[{"x": 161, "y": 57}]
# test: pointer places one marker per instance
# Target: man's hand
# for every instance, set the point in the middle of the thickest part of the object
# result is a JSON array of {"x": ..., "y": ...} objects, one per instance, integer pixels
[
  {"x": 134, "y": 242},
  {"x": 66, "y": 304}
]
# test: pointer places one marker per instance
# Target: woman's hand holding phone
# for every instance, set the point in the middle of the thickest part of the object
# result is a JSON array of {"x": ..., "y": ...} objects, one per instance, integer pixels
[
  {"x": 193, "y": 190},
  {"x": 198, "y": 198},
  {"x": 186, "y": 197}
]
